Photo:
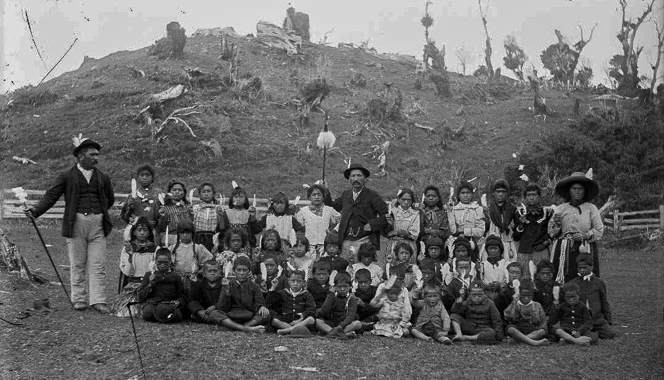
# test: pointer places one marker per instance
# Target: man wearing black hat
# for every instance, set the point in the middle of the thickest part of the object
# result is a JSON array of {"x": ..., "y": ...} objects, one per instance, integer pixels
[
  {"x": 85, "y": 224},
  {"x": 362, "y": 211}
]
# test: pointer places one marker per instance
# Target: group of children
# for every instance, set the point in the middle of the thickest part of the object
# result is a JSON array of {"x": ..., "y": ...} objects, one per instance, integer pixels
[{"x": 434, "y": 283}]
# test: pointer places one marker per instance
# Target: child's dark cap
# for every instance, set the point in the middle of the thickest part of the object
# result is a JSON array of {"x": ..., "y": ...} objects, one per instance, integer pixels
[
  {"x": 435, "y": 242},
  {"x": 584, "y": 258}
]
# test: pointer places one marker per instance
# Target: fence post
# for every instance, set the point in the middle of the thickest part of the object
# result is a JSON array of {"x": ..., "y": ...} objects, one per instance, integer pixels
[
  {"x": 661, "y": 218},
  {"x": 616, "y": 223}
]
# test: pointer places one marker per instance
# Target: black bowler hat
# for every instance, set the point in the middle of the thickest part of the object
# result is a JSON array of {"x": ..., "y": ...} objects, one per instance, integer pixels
[
  {"x": 356, "y": 167},
  {"x": 81, "y": 142}
]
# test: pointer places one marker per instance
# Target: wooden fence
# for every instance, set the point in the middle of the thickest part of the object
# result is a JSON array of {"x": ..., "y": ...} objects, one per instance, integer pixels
[
  {"x": 636, "y": 220},
  {"x": 12, "y": 208}
]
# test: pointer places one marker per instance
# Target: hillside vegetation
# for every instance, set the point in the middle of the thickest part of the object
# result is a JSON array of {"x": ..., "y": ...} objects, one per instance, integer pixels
[{"x": 262, "y": 143}]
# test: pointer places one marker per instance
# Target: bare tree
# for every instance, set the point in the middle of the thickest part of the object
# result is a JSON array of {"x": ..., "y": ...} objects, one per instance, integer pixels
[
  {"x": 427, "y": 22},
  {"x": 629, "y": 60},
  {"x": 487, "y": 48},
  {"x": 464, "y": 57},
  {"x": 578, "y": 47},
  {"x": 660, "y": 52}
]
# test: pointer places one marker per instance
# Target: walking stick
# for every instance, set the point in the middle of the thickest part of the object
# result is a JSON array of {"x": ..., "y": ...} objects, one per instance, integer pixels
[
  {"x": 22, "y": 196},
  {"x": 326, "y": 140},
  {"x": 133, "y": 328}
]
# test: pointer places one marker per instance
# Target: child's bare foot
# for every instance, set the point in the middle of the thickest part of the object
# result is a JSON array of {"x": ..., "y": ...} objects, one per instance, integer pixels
[
  {"x": 583, "y": 341},
  {"x": 283, "y": 331},
  {"x": 541, "y": 342},
  {"x": 351, "y": 335},
  {"x": 457, "y": 338},
  {"x": 445, "y": 340},
  {"x": 255, "y": 329}
]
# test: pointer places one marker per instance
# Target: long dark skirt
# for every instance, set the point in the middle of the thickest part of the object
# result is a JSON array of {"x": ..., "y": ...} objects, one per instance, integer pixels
[{"x": 569, "y": 265}]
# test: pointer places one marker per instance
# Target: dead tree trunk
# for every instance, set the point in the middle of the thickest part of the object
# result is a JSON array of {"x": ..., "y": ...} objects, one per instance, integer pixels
[
  {"x": 539, "y": 103},
  {"x": 487, "y": 48},
  {"x": 579, "y": 48},
  {"x": 660, "y": 52},
  {"x": 12, "y": 261},
  {"x": 630, "y": 57}
]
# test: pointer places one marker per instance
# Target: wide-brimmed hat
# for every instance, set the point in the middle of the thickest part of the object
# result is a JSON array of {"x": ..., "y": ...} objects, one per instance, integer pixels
[
  {"x": 591, "y": 187},
  {"x": 356, "y": 167},
  {"x": 86, "y": 143}
]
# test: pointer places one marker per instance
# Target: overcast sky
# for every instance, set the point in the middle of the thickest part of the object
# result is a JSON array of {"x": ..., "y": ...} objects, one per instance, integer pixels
[{"x": 106, "y": 26}]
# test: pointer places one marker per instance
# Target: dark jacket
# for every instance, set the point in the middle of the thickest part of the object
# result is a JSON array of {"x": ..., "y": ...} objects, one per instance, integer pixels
[
  {"x": 202, "y": 295},
  {"x": 246, "y": 295},
  {"x": 369, "y": 207},
  {"x": 166, "y": 287},
  {"x": 67, "y": 183},
  {"x": 574, "y": 317},
  {"x": 339, "y": 310},
  {"x": 318, "y": 291},
  {"x": 593, "y": 294},
  {"x": 284, "y": 302},
  {"x": 483, "y": 314}
]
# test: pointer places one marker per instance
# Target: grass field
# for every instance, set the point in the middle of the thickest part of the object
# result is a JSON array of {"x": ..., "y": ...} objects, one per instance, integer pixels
[{"x": 81, "y": 345}]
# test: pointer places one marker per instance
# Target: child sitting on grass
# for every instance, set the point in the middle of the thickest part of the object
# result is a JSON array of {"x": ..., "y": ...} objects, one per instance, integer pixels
[
  {"x": 476, "y": 319},
  {"x": 319, "y": 284},
  {"x": 433, "y": 322},
  {"x": 548, "y": 290},
  {"x": 242, "y": 300},
  {"x": 571, "y": 321},
  {"x": 365, "y": 292},
  {"x": 162, "y": 291},
  {"x": 367, "y": 260},
  {"x": 526, "y": 318},
  {"x": 294, "y": 306},
  {"x": 395, "y": 309},
  {"x": 337, "y": 315},
  {"x": 592, "y": 292}
]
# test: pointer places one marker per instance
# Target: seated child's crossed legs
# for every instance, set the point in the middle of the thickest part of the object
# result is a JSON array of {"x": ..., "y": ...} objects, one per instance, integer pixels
[
  {"x": 470, "y": 331},
  {"x": 530, "y": 335},
  {"x": 429, "y": 332},
  {"x": 287, "y": 322},
  {"x": 573, "y": 336}
]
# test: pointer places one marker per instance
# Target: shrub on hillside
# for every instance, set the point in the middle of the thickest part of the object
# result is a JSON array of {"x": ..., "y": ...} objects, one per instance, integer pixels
[
  {"x": 626, "y": 154},
  {"x": 33, "y": 96}
]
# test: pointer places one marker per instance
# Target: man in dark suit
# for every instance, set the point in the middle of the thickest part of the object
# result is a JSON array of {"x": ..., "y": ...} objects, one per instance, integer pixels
[
  {"x": 85, "y": 224},
  {"x": 362, "y": 211}
]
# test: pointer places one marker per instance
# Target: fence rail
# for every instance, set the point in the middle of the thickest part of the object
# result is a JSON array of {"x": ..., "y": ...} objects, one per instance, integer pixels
[
  {"x": 636, "y": 220},
  {"x": 12, "y": 208}
]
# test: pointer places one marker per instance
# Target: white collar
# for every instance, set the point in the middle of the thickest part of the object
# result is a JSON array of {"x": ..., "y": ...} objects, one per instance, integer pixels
[{"x": 587, "y": 277}]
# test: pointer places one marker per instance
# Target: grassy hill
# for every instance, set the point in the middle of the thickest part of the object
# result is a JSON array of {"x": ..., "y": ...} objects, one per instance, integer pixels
[{"x": 263, "y": 145}]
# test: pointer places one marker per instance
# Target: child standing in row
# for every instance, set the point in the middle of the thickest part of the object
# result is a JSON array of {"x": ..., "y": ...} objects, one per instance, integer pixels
[
  {"x": 404, "y": 253},
  {"x": 435, "y": 223},
  {"x": 208, "y": 216},
  {"x": 548, "y": 290},
  {"x": 532, "y": 229},
  {"x": 403, "y": 225},
  {"x": 467, "y": 219},
  {"x": 280, "y": 218},
  {"x": 142, "y": 202},
  {"x": 502, "y": 218},
  {"x": 317, "y": 218},
  {"x": 493, "y": 269},
  {"x": 302, "y": 259},
  {"x": 176, "y": 208},
  {"x": 235, "y": 242},
  {"x": 239, "y": 215}
]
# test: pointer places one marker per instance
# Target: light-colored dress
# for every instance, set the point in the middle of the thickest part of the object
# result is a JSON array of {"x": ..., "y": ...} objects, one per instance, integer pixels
[
  {"x": 404, "y": 220},
  {"x": 317, "y": 222},
  {"x": 133, "y": 270},
  {"x": 466, "y": 219},
  {"x": 394, "y": 316}
]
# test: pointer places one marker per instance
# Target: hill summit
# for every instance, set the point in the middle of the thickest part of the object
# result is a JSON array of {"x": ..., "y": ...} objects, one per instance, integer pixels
[{"x": 261, "y": 135}]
